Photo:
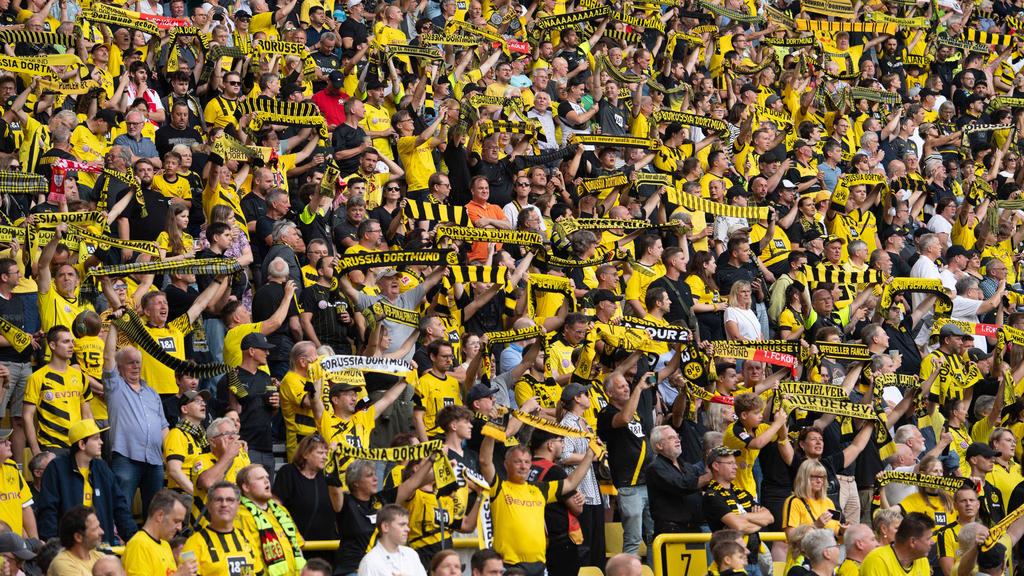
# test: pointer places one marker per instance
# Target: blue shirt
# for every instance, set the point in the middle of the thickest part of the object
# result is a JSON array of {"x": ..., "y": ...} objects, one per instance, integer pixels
[
  {"x": 831, "y": 175},
  {"x": 511, "y": 357},
  {"x": 143, "y": 148},
  {"x": 136, "y": 419}
]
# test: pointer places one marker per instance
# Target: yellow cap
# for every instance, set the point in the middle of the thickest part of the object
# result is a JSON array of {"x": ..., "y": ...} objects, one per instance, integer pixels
[{"x": 83, "y": 429}]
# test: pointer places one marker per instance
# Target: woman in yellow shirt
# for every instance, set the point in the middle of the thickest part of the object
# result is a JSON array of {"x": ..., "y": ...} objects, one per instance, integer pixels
[
  {"x": 955, "y": 413},
  {"x": 808, "y": 504},
  {"x": 935, "y": 503},
  {"x": 174, "y": 241},
  {"x": 708, "y": 304}
]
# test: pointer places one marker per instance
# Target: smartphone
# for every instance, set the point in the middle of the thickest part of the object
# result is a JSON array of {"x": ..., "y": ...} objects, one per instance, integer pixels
[
  {"x": 836, "y": 514},
  {"x": 186, "y": 556},
  {"x": 893, "y": 353},
  {"x": 652, "y": 379}
]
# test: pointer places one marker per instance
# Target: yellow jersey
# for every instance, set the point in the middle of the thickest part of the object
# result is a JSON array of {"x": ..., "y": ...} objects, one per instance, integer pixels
[
  {"x": 58, "y": 397},
  {"x": 171, "y": 339},
  {"x": 298, "y": 421},
  {"x": 738, "y": 438},
  {"x": 882, "y": 561},
  {"x": 518, "y": 511},
  {"x": 147, "y": 556},
  {"x": 433, "y": 394},
  {"x": 224, "y": 553},
  {"x": 15, "y": 496}
]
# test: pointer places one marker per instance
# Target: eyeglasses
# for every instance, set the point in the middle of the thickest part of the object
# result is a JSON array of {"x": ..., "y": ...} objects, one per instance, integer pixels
[
  {"x": 234, "y": 83},
  {"x": 134, "y": 123},
  {"x": 818, "y": 477},
  {"x": 15, "y": 166}
]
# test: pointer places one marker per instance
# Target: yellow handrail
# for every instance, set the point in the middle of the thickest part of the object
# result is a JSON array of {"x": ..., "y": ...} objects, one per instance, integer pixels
[{"x": 328, "y": 545}]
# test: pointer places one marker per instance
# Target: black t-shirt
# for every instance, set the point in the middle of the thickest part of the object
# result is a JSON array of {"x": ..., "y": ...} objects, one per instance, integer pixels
[
  {"x": 327, "y": 63},
  {"x": 178, "y": 302},
  {"x": 356, "y": 523},
  {"x": 346, "y": 138},
  {"x": 627, "y": 454},
  {"x": 256, "y": 411},
  {"x": 718, "y": 502},
  {"x": 681, "y": 299},
  {"x": 150, "y": 226},
  {"x": 11, "y": 311},
  {"x": 322, "y": 303},
  {"x": 253, "y": 206},
  {"x": 499, "y": 177},
  {"x": 308, "y": 502},
  {"x": 556, "y": 515},
  {"x": 612, "y": 119},
  {"x": 168, "y": 137},
  {"x": 264, "y": 303},
  {"x": 358, "y": 32}
]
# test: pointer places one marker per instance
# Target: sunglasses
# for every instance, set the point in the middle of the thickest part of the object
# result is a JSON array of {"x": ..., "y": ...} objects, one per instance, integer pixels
[
  {"x": 392, "y": 188},
  {"x": 234, "y": 83}
]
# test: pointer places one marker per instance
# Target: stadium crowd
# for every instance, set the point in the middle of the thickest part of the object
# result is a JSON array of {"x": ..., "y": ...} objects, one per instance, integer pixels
[{"x": 519, "y": 270}]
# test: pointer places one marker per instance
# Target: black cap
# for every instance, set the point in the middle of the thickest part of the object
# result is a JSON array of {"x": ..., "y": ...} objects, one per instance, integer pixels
[
  {"x": 188, "y": 397},
  {"x": 478, "y": 392},
  {"x": 572, "y": 390},
  {"x": 243, "y": 15},
  {"x": 374, "y": 83},
  {"x": 974, "y": 98},
  {"x": 748, "y": 88},
  {"x": 287, "y": 91},
  {"x": 602, "y": 295},
  {"x": 111, "y": 117},
  {"x": 977, "y": 354},
  {"x": 337, "y": 78},
  {"x": 769, "y": 157},
  {"x": 11, "y": 543},
  {"x": 256, "y": 340},
  {"x": 992, "y": 558},
  {"x": 982, "y": 449}
]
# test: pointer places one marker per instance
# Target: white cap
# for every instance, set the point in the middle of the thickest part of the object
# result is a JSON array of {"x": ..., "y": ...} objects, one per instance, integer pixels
[{"x": 352, "y": 3}]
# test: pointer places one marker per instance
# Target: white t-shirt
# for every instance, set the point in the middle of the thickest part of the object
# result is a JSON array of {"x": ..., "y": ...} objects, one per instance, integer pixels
[
  {"x": 966, "y": 310},
  {"x": 380, "y": 562},
  {"x": 746, "y": 321}
]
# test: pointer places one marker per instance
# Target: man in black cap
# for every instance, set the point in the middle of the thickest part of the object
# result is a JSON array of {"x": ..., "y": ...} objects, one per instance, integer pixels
[
  {"x": 15, "y": 551},
  {"x": 981, "y": 457},
  {"x": 669, "y": 157},
  {"x": 186, "y": 440},
  {"x": 561, "y": 516},
  {"x": 331, "y": 100},
  {"x": 254, "y": 395},
  {"x": 725, "y": 505},
  {"x": 948, "y": 359}
]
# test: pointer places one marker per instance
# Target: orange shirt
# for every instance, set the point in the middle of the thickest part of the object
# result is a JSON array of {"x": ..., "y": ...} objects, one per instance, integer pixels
[{"x": 476, "y": 212}]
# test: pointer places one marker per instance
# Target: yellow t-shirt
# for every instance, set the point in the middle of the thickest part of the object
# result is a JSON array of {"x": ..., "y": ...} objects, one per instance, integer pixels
[
  {"x": 418, "y": 162},
  {"x": 224, "y": 554},
  {"x": 55, "y": 309},
  {"x": 883, "y": 561},
  {"x": 245, "y": 522},
  {"x": 737, "y": 437},
  {"x": 298, "y": 421},
  {"x": 233, "y": 342},
  {"x": 89, "y": 356},
  {"x": 433, "y": 394},
  {"x": 378, "y": 120},
  {"x": 58, "y": 397},
  {"x": 147, "y": 556},
  {"x": 518, "y": 511},
  {"x": 179, "y": 446},
  {"x": 171, "y": 339},
  {"x": 930, "y": 505},
  {"x": 88, "y": 147},
  {"x": 16, "y": 495},
  {"x": 179, "y": 189},
  {"x": 636, "y": 288}
]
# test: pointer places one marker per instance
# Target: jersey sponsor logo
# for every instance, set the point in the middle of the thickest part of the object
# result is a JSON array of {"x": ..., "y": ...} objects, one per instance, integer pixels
[
  {"x": 50, "y": 395},
  {"x": 5, "y": 496},
  {"x": 167, "y": 343},
  {"x": 441, "y": 517},
  {"x": 636, "y": 428},
  {"x": 940, "y": 517},
  {"x": 513, "y": 501}
]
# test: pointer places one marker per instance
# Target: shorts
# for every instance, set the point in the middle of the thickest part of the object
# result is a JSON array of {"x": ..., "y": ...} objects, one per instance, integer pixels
[{"x": 14, "y": 398}]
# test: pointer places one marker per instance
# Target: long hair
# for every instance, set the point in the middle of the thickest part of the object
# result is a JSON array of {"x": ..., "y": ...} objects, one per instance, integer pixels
[
  {"x": 945, "y": 498},
  {"x": 305, "y": 448},
  {"x": 802, "y": 483},
  {"x": 696, "y": 268},
  {"x": 174, "y": 233},
  {"x": 734, "y": 293}
]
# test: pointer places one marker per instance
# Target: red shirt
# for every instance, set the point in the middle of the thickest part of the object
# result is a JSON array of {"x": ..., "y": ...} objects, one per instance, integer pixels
[{"x": 332, "y": 107}]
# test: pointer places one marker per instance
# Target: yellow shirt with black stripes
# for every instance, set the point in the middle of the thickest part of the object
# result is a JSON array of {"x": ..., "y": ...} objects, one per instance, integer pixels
[
  {"x": 58, "y": 398},
  {"x": 529, "y": 386},
  {"x": 298, "y": 421},
  {"x": 433, "y": 394},
  {"x": 353, "y": 432},
  {"x": 224, "y": 553},
  {"x": 220, "y": 112},
  {"x": 89, "y": 357},
  {"x": 181, "y": 447},
  {"x": 778, "y": 247},
  {"x": 952, "y": 376}
]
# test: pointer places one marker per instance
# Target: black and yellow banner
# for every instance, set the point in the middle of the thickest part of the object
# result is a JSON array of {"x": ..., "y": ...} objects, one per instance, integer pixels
[
  {"x": 698, "y": 204},
  {"x": 818, "y": 274},
  {"x": 396, "y": 454},
  {"x": 309, "y": 67},
  {"x": 280, "y": 112},
  {"x": 469, "y": 234},
  {"x": 947, "y": 483},
  {"x": 365, "y": 260},
  {"x": 840, "y": 351},
  {"x": 93, "y": 218},
  {"x": 829, "y": 406},
  {"x": 617, "y": 141},
  {"x": 812, "y": 389},
  {"x": 658, "y": 332},
  {"x": 456, "y": 215},
  {"x": 16, "y": 337}
]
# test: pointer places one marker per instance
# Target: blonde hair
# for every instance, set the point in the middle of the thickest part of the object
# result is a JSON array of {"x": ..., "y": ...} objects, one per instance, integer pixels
[{"x": 802, "y": 483}]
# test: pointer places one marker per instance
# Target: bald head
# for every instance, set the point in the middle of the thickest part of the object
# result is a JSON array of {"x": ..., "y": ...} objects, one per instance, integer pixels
[
  {"x": 108, "y": 566},
  {"x": 623, "y": 565}
]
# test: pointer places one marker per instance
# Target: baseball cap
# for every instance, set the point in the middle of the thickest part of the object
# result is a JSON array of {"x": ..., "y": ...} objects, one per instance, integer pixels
[
  {"x": 789, "y": 185},
  {"x": 386, "y": 273},
  {"x": 255, "y": 340},
  {"x": 975, "y": 354},
  {"x": 341, "y": 387},
  {"x": 950, "y": 329},
  {"x": 83, "y": 429},
  {"x": 352, "y": 3},
  {"x": 833, "y": 238},
  {"x": 982, "y": 449},
  {"x": 188, "y": 397},
  {"x": 479, "y": 391},
  {"x": 822, "y": 195},
  {"x": 109, "y": 116},
  {"x": 974, "y": 98},
  {"x": 572, "y": 390},
  {"x": 719, "y": 452},
  {"x": 736, "y": 229},
  {"x": 812, "y": 234},
  {"x": 337, "y": 77},
  {"x": 11, "y": 543},
  {"x": 602, "y": 295},
  {"x": 5, "y": 433},
  {"x": 748, "y": 88},
  {"x": 772, "y": 99},
  {"x": 243, "y": 15}
]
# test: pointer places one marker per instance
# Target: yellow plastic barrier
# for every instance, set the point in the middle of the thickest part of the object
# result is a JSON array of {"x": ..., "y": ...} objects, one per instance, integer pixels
[{"x": 686, "y": 554}]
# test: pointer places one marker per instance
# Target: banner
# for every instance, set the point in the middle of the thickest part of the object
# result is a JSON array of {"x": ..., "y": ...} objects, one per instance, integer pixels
[
  {"x": 733, "y": 349},
  {"x": 328, "y": 366},
  {"x": 657, "y": 332},
  {"x": 396, "y": 454},
  {"x": 713, "y": 124},
  {"x": 199, "y": 267},
  {"x": 803, "y": 25},
  {"x": 518, "y": 237},
  {"x": 601, "y": 256},
  {"x": 973, "y": 328},
  {"x": 510, "y": 336},
  {"x": 812, "y": 389},
  {"x": 839, "y": 351},
  {"x": 366, "y": 260},
  {"x": 562, "y": 21},
  {"x": 948, "y": 483},
  {"x": 18, "y": 338},
  {"x": 437, "y": 212},
  {"x": 729, "y": 13},
  {"x": 829, "y": 406}
]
